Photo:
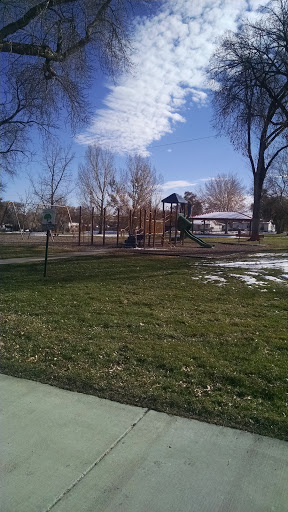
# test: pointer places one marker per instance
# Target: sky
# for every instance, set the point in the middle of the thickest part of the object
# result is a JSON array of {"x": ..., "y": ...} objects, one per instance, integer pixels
[{"x": 162, "y": 108}]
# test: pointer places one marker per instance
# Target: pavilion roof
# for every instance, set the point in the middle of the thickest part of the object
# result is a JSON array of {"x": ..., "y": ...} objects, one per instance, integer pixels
[{"x": 223, "y": 216}]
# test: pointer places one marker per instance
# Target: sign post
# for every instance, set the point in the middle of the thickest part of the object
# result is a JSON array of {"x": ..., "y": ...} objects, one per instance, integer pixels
[
  {"x": 46, "y": 251},
  {"x": 48, "y": 221}
]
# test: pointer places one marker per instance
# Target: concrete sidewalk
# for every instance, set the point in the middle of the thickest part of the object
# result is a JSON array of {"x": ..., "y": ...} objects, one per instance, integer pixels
[
  {"x": 69, "y": 452},
  {"x": 60, "y": 256}
]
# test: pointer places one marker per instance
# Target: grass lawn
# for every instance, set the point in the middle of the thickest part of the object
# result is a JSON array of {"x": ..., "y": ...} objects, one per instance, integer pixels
[
  {"x": 27, "y": 248},
  {"x": 147, "y": 331},
  {"x": 26, "y": 251},
  {"x": 269, "y": 242}
]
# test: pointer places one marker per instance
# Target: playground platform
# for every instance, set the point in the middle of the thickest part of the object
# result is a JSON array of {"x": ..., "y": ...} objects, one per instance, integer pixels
[{"x": 70, "y": 452}]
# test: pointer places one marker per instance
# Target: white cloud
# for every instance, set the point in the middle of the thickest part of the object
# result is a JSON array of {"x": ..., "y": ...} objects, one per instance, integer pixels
[
  {"x": 176, "y": 185},
  {"x": 171, "y": 51}
]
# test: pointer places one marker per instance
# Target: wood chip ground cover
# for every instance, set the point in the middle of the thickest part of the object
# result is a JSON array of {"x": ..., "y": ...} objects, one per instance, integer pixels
[{"x": 152, "y": 332}]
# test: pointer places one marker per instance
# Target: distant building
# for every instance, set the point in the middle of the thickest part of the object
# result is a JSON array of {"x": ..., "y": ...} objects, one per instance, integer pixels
[
  {"x": 267, "y": 227},
  {"x": 227, "y": 221}
]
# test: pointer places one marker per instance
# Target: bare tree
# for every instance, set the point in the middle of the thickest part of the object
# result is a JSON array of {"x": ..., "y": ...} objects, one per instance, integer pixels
[
  {"x": 95, "y": 177},
  {"x": 49, "y": 49},
  {"x": 26, "y": 209},
  {"x": 136, "y": 187},
  {"x": 251, "y": 96},
  {"x": 141, "y": 182},
  {"x": 53, "y": 185},
  {"x": 118, "y": 194},
  {"x": 224, "y": 193}
]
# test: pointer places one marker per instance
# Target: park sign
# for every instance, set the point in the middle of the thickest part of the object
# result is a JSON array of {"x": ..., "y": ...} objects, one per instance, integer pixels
[{"x": 49, "y": 218}]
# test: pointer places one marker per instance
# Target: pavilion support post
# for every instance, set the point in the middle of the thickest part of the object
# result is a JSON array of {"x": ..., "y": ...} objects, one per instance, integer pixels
[
  {"x": 79, "y": 229},
  {"x": 118, "y": 226},
  {"x": 163, "y": 218},
  {"x": 154, "y": 227},
  {"x": 92, "y": 225},
  {"x": 170, "y": 225},
  {"x": 149, "y": 229},
  {"x": 176, "y": 219},
  {"x": 144, "y": 230},
  {"x": 104, "y": 225}
]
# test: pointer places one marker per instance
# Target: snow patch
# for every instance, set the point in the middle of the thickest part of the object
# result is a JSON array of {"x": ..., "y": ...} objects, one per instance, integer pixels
[
  {"x": 215, "y": 278},
  {"x": 272, "y": 278},
  {"x": 248, "y": 279}
]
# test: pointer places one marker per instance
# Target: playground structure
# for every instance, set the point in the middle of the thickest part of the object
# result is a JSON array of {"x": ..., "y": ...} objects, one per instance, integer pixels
[
  {"x": 148, "y": 228},
  {"x": 135, "y": 228},
  {"x": 141, "y": 228}
]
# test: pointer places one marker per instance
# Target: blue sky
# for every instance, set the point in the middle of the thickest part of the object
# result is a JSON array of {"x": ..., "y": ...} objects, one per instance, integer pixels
[{"x": 164, "y": 100}]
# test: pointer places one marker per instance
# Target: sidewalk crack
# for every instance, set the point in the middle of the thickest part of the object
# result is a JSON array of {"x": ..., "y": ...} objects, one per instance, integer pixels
[{"x": 96, "y": 462}]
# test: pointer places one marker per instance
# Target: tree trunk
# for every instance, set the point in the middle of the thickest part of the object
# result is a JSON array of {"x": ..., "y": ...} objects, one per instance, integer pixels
[
  {"x": 100, "y": 230},
  {"x": 259, "y": 177},
  {"x": 256, "y": 216},
  {"x": 101, "y": 218},
  {"x": 279, "y": 226}
]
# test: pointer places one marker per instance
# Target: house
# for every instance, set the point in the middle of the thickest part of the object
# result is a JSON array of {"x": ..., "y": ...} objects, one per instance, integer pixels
[{"x": 267, "y": 226}]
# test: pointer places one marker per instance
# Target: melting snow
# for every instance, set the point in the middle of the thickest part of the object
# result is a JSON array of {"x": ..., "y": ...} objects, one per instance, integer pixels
[
  {"x": 215, "y": 278},
  {"x": 256, "y": 266},
  {"x": 265, "y": 263},
  {"x": 248, "y": 279},
  {"x": 272, "y": 278}
]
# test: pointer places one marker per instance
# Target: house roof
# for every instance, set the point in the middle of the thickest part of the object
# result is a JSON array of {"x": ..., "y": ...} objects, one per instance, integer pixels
[
  {"x": 223, "y": 216},
  {"x": 174, "y": 199}
]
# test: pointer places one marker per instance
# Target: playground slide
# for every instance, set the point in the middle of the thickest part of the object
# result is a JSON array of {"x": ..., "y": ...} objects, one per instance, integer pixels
[
  {"x": 184, "y": 226},
  {"x": 197, "y": 239}
]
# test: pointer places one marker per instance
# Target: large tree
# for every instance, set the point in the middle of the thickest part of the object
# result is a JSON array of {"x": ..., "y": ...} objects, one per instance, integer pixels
[
  {"x": 250, "y": 69},
  {"x": 224, "y": 193},
  {"x": 49, "y": 49},
  {"x": 95, "y": 176}
]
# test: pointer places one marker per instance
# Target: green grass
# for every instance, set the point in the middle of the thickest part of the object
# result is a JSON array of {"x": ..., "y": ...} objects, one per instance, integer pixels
[
  {"x": 27, "y": 251},
  {"x": 147, "y": 331},
  {"x": 269, "y": 242}
]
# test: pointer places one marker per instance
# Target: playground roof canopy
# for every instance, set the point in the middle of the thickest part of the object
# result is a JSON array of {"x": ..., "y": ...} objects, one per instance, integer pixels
[
  {"x": 174, "y": 199},
  {"x": 223, "y": 216}
]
